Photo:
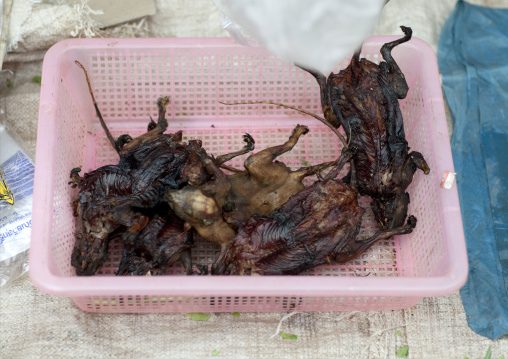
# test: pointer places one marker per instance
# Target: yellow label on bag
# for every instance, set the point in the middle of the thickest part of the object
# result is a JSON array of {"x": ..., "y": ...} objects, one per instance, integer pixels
[{"x": 5, "y": 193}]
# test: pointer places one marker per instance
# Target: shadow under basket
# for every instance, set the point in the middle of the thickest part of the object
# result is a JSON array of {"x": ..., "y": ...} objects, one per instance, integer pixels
[{"x": 128, "y": 75}]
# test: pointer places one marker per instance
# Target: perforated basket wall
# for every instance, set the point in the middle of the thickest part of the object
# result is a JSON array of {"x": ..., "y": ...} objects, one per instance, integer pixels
[{"x": 128, "y": 76}]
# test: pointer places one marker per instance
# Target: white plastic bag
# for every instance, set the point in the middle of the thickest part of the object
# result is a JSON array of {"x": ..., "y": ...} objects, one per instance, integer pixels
[
  {"x": 16, "y": 188},
  {"x": 314, "y": 33}
]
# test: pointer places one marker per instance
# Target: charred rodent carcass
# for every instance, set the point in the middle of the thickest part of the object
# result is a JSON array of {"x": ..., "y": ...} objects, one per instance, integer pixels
[
  {"x": 318, "y": 225},
  {"x": 363, "y": 98},
  {"x": 125, "y": 201}
]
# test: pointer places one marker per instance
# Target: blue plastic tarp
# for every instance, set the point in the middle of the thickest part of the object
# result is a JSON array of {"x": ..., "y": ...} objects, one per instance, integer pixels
[{"x": 473, "y": 60}]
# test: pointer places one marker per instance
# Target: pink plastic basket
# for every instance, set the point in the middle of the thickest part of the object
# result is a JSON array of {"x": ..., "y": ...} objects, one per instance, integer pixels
[{"x": 129, "y": 75}]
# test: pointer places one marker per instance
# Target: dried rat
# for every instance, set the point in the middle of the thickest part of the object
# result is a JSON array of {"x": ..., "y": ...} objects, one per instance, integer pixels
[
  {"x": 363, "y": 98},
  {"x": 318, "y": 225},
  {"x": 126, "y": 200}
]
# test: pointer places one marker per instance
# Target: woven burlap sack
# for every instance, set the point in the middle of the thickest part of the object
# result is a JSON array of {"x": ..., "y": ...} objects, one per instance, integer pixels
[{"x": 36, "y": 325}]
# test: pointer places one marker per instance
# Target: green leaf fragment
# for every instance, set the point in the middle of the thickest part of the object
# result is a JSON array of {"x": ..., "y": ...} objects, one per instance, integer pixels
[
  {"x": 306, "y": 163},
  {"x": 37, "y": 79},
  {"x": 403, "y": 351},
  {"x": 489, "y": 353},
  {"x": 289, "y": 336},
  {"x": 399, "y": 333},
  {"x": 203, "y": 317},
  {"x": 9, "y": 84},
  {"x": 235, "y": 314},
  {"x": 501, "y": 357},
  {"x": 215, "y": 353}
]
